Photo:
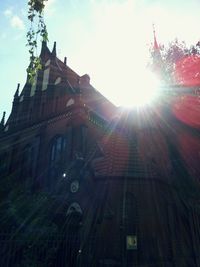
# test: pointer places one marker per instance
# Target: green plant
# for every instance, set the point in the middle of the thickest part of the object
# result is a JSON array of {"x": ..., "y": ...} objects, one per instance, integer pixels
[{"x": 37, "y": 27}]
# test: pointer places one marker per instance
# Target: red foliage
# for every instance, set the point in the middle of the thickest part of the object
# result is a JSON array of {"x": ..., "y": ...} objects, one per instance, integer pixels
[
  {"x": 187, "y": 73},
  {"x": 187, "y": 70}
]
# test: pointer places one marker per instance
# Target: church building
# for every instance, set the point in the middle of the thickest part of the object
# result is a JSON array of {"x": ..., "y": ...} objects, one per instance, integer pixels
[{"x": 124, "y": 184}]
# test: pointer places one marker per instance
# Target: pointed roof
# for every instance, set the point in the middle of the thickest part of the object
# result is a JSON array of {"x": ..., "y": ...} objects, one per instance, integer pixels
[
  {"x": 3, "y": 119},
  {"x": 158, "y": 66},
  {"x": 156, "y": 46},
  {"x": 17, "y": 91},
  {"x": 54, "y": 49},
  {"x": 44, "y": 51}
]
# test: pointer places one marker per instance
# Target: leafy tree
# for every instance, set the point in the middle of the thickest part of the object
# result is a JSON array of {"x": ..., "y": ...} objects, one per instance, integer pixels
[{"x": 176, "y": 62}]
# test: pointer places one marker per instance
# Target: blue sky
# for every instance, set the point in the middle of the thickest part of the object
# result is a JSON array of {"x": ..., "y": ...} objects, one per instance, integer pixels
[{"x": 105, "y": 38}]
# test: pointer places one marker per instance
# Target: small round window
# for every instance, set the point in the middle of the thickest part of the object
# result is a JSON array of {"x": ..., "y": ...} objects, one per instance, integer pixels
[{"x": 74, "y": 186}]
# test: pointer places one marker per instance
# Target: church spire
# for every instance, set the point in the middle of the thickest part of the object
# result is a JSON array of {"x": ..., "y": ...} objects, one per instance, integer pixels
[
  {"x": 44, "y": 47},
  {"x": 156, "y": 50},
  {"x": 54, "y": 49},
  {"x": 45, "y": 53},
  {"x": 158, "y": 64},
  {"x": 156, "y": 47}
]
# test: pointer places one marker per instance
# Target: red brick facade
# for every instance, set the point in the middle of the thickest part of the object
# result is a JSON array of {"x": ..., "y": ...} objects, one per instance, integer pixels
[{"x": 129, "y": 178}]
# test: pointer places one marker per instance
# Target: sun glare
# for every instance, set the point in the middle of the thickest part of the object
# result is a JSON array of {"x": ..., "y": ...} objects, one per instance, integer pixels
[
  {"x": 117, "y": 64},
  {"x": 139, "y": 89},
  {"x": 144, "y": 90},
  {"x": 116, "y": 51}
]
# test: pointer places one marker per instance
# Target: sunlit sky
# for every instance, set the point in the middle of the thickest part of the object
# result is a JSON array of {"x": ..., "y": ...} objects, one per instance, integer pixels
[{"x": 107, "y": 39}]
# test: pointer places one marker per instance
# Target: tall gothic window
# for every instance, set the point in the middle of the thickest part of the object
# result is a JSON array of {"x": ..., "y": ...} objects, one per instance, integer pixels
[
  {"x": 29, "y": 158},
  {"x": 57, "y": 155},
  {"x": 57, "y": 150}
]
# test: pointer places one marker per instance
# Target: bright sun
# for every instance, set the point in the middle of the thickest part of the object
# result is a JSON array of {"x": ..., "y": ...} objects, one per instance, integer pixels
[
  {"x": 117, "y": 63},
  {"x": 142, "y": 91},
  {"x": 131, "y": 88}
]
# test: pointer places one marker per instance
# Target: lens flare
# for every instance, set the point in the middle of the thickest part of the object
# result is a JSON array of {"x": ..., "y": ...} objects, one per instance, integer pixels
[{"x": 144, "y": 90}]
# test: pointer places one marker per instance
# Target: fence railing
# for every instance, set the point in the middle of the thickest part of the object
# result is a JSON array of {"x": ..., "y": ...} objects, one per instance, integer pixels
[{"x": 56, "y": 251}]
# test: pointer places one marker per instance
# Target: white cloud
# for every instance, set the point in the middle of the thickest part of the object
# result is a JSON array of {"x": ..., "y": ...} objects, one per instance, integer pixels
[
  {"x": 8, "y": 12},
  {"x": 14, "y": 20},
  {"x": 17, "y": 23}
]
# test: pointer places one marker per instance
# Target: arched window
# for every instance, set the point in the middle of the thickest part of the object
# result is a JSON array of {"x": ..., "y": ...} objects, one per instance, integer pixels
[
  {"x": 72, "y": 227},
  {"x": 57, "y": 150},
  {"x": 57, "y": 155},
  {"x": 29, "y": 158},
  {"x": 74, "y": 216},
  {"x": 74, "y": 207}
]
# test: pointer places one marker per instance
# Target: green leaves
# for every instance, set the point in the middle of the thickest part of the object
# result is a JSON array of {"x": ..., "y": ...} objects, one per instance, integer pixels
[
  {"x": 37, "y": 28},
  {"x": 33, "y": 68},
  {"x": 37, "y": 5}
]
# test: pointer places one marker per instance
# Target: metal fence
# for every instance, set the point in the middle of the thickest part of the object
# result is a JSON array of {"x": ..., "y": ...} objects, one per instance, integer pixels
[{"x": 16, "y": 252}]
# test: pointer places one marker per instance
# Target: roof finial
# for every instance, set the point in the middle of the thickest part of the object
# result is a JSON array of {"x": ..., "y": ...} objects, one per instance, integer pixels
[
  {"x": 44, "y": 46},
  {"x": 3, "y": 119},
  {"x": 44, "y": 50},
  {"x": 54, "y": 49},
  {"x": 17, "y": 91},
  {"x": 65, "y": 60},
  {"x": 154, "y": 35}
]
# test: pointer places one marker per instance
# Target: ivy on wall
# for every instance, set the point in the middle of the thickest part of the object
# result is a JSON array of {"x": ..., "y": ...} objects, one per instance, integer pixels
[{"x": 37, "y": 29}]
